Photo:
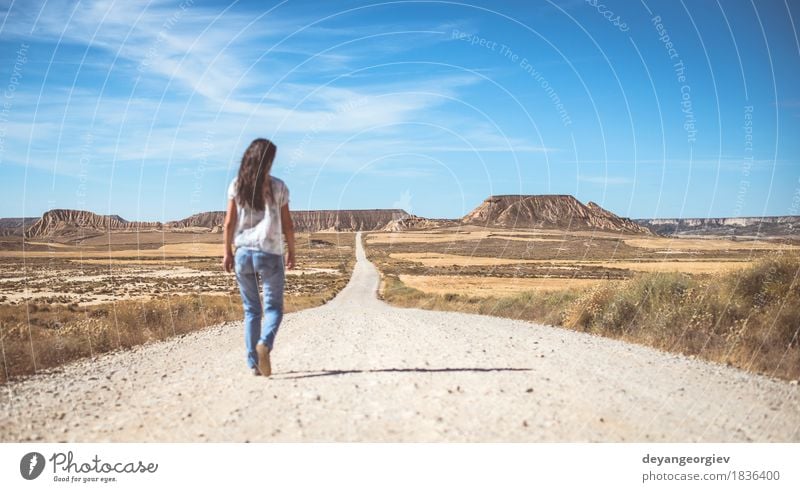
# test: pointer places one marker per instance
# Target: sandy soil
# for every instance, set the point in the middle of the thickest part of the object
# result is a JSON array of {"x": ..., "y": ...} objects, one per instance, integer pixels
[
  {"x": 357, "y": 369},
  {"x": 476, "y": 286}
]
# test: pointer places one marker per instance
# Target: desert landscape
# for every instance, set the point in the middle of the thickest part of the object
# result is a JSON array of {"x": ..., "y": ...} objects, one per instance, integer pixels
[
  {"x": 725, "y": 292},
  {"x": 505, "y": 224},
  {"x": 527, "y": 306},
  {"x": 86, "y": 284},
  {"x": 75, "y": 284},
  {"x": 358, "y": 369}
]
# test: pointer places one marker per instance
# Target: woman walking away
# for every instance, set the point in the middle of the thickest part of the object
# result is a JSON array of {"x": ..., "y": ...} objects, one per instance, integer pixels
[{"x": 258, "y": 212}]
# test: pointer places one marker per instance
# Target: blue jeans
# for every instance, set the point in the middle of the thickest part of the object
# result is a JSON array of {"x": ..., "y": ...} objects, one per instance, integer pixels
[{"x": 252, "y": 265}]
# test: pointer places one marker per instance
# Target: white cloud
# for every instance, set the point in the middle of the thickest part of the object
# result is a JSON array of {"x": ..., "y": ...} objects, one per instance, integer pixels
[{"x": 206, "y": 72}]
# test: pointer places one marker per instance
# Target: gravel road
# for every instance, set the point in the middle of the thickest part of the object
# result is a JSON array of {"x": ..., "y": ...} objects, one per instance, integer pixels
[{"x": 358, "y": 369}]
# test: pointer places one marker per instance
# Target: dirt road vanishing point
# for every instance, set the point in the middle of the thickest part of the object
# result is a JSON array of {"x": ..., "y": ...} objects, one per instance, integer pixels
[{"x": 358, "y": 369}]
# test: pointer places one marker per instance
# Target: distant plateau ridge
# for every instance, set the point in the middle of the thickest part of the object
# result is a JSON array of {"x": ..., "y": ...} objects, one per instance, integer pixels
[
  {"x": 562, "y": 212},
  {"x": 777, "y": 226}
]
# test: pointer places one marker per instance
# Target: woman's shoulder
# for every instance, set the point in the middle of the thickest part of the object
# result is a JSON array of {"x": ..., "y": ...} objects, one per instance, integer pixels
[
  {"x": 279, "y": 182},
  {"x": 232, "y": 188}
]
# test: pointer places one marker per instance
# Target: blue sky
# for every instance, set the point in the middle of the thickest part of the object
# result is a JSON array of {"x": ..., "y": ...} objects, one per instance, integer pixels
[{"x": 143, "y": 109}]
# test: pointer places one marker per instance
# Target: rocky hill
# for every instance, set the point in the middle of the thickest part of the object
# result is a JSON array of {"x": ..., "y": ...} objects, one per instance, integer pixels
[
  {"x": 208, "y": 220},
  {"x": 15, "y": 226},
  {"x": 519, "y": 211},
  {"x": 62, "y": 222},
  {"x": 70, "y": 223},
  {"x": 784, "y": 225},
  {"x": 344, "y": 220},
  {"x": 548, "y": 211},
  {"x": 412, "y": 222}
]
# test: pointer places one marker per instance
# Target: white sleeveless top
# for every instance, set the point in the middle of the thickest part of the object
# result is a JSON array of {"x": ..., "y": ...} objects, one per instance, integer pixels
[{"x": 257, "y": 229}]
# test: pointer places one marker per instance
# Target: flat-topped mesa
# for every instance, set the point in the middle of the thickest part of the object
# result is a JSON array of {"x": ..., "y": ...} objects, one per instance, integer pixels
[
  {"x": 548, "y": 212},
  {"x": 62, "y": 222},
  {"x": 345, "y": 220}
]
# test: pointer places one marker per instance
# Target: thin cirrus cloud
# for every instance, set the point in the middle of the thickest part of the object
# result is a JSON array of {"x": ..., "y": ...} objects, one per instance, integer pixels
[
  {"x": 210, "y": 60},
  {"x": 125, "y": 129}
]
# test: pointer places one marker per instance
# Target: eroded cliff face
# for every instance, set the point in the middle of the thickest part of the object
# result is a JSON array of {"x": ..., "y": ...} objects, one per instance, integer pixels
[
  {"x": 548, "y": 211},
  {"x": 782, "y": 225},
  {"x": 62, "y": 222},
  {"x": 520, "y": 211},
  {"x": 208, "y": 220},
  {"x": 14, "y": 226},
  {"x": 344, "y": 220},
  {"x": 69, "y": 223},
  {"x": 413, "y": 222}
]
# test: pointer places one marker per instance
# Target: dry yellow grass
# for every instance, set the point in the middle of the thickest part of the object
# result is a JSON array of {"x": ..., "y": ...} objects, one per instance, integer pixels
[
  {"x": 679, "y": 244},
  {"x": 97, "y": 299},
  {"x": 747, "y": 318},
  {"x": 425, "y": 237},
  {"x": 449, "y": 236},
  {"x": 192, "y": 249},
  {"x": 188, "y": 235},
  {"x": 74, "y": 304},
  {"x": 38, "y": 336},
  {"x": 477, "y": 286},
  {"x": 697, "y": 267},
  {"x": 128, "y": 247},
  {"x": 180, "y": 249},
  {"x": 526, "y": 239},
  {"x": 685, "y": 266},
  {"x": 446, "y": 259}
]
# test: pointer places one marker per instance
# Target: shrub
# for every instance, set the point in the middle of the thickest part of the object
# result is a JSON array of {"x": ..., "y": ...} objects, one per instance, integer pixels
[{"x": 749, "y": 318}]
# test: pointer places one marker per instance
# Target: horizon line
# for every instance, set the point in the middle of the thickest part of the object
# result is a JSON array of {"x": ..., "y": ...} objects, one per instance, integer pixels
[{"x": 36, "y": 218}]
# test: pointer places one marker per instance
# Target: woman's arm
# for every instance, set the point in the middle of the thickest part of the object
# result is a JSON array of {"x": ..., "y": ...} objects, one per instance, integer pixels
[
  {"x": 229, "y": 228},
  {"x": 288, "y": 231}
]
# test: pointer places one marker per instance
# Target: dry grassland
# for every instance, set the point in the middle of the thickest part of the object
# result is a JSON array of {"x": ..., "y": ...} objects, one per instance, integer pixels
[
  {"x": 492, "y": 286},
  {"x": 667, "y": 265},
  {"x": 424, "y": 237},
  {"x": 678, "y": 245},
  {"x": 446, "y": 259},
  {"x": 448, "y": 236},
  {"x": 186, "y": 249},
  {"x": 72, "y": 302},
  {"x": 735, "y": 302},
  {"x": 698, "y": 267}
]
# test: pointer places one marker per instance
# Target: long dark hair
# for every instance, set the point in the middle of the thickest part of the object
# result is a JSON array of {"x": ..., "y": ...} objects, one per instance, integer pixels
[{"x": 255, "y": 167}]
